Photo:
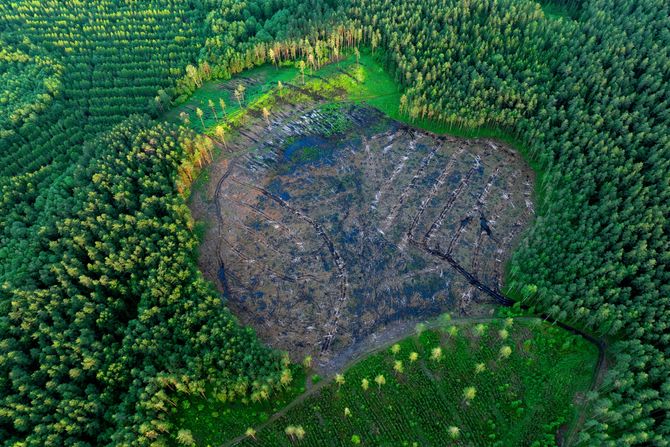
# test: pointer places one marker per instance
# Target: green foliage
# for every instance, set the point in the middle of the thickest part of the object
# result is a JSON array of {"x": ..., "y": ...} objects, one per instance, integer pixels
[
  {"x": 29, "y": 85},
  {"x": 104, "y": 316},
  {"x": 216, "y": 418},
  {"x": 259, "y": 81},
  {"x": 556, "y": 9},
  {"x": 520, "y": 400},
  {"x": 122, "y": 321},
  {"x": 588, "y": 100},
  {"x": 336, "y": 119},
  {"x": 110, "y": 68},
  {"x": 101, "y": 304}
]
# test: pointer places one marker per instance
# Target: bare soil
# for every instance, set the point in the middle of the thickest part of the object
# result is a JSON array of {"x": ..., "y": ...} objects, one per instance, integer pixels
[{"x": 314, "y": 228}]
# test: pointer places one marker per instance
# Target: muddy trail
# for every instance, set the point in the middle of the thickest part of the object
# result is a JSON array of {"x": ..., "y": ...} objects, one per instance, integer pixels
[{"x": 332, "y": 225}]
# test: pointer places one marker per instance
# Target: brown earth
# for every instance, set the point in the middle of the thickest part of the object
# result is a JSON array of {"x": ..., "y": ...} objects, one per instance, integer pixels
[{"x": 309, "y": 220}]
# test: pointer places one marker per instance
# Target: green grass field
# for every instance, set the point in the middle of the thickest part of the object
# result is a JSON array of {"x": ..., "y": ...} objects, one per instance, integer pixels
[
  {"x": 260, "y": 82},
  {"x": 373, "y": 86},
  {"x": 521, "y": 399}
]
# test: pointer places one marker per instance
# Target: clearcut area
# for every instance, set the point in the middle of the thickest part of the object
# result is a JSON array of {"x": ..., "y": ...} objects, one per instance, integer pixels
[{"x": 325, "y": 220}]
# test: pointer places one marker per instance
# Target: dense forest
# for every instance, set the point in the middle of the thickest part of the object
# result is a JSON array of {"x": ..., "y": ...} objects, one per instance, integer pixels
[
  {"x": 595, "y": 116},
  {"x": 103, "y": 313}
]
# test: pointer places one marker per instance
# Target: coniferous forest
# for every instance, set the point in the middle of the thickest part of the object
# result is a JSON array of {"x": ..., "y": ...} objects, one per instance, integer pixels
[{"x": 104, "y": 315}]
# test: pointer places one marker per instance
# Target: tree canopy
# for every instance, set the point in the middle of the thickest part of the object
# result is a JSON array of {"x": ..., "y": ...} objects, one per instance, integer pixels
[{"x": 103, "y": 313}]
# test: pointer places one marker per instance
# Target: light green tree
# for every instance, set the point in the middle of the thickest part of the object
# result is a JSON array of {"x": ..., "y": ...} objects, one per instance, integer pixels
[
  {"x": 505, "y": 352},
  {"x": 185, "y": 438},
  {"x": 301, "y": 67},
  {"x": 480, "y": 329},
  {"x": 221, "y": 135},
  {"x": 239, "y": 93},
  {"x": 469, "y": 394},
  {"x": 200, "y": 113},
  {"x": 403, "y": 104},
  {"x": 222, "y": 104},
  {"x": 452, "y": 331},
  {"x": 286, "y": 377},
  {"x": 210, "y": 103},
  {"x": 193, "y": 73}
]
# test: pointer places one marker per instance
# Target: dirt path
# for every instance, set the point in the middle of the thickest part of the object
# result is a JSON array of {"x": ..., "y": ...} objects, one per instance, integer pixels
[{"x": 599, "y": 375}]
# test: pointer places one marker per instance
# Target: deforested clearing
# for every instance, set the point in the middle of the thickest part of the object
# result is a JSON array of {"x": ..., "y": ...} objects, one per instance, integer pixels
[{"x": 310, "y": 229}]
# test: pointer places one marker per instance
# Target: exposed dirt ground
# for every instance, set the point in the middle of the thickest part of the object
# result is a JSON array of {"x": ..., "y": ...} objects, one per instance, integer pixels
[{"x": 311, "y": 224}]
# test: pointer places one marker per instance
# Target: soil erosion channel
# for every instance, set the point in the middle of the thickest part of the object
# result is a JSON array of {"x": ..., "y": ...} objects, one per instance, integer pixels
[{"x": 313, "y": 226}]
